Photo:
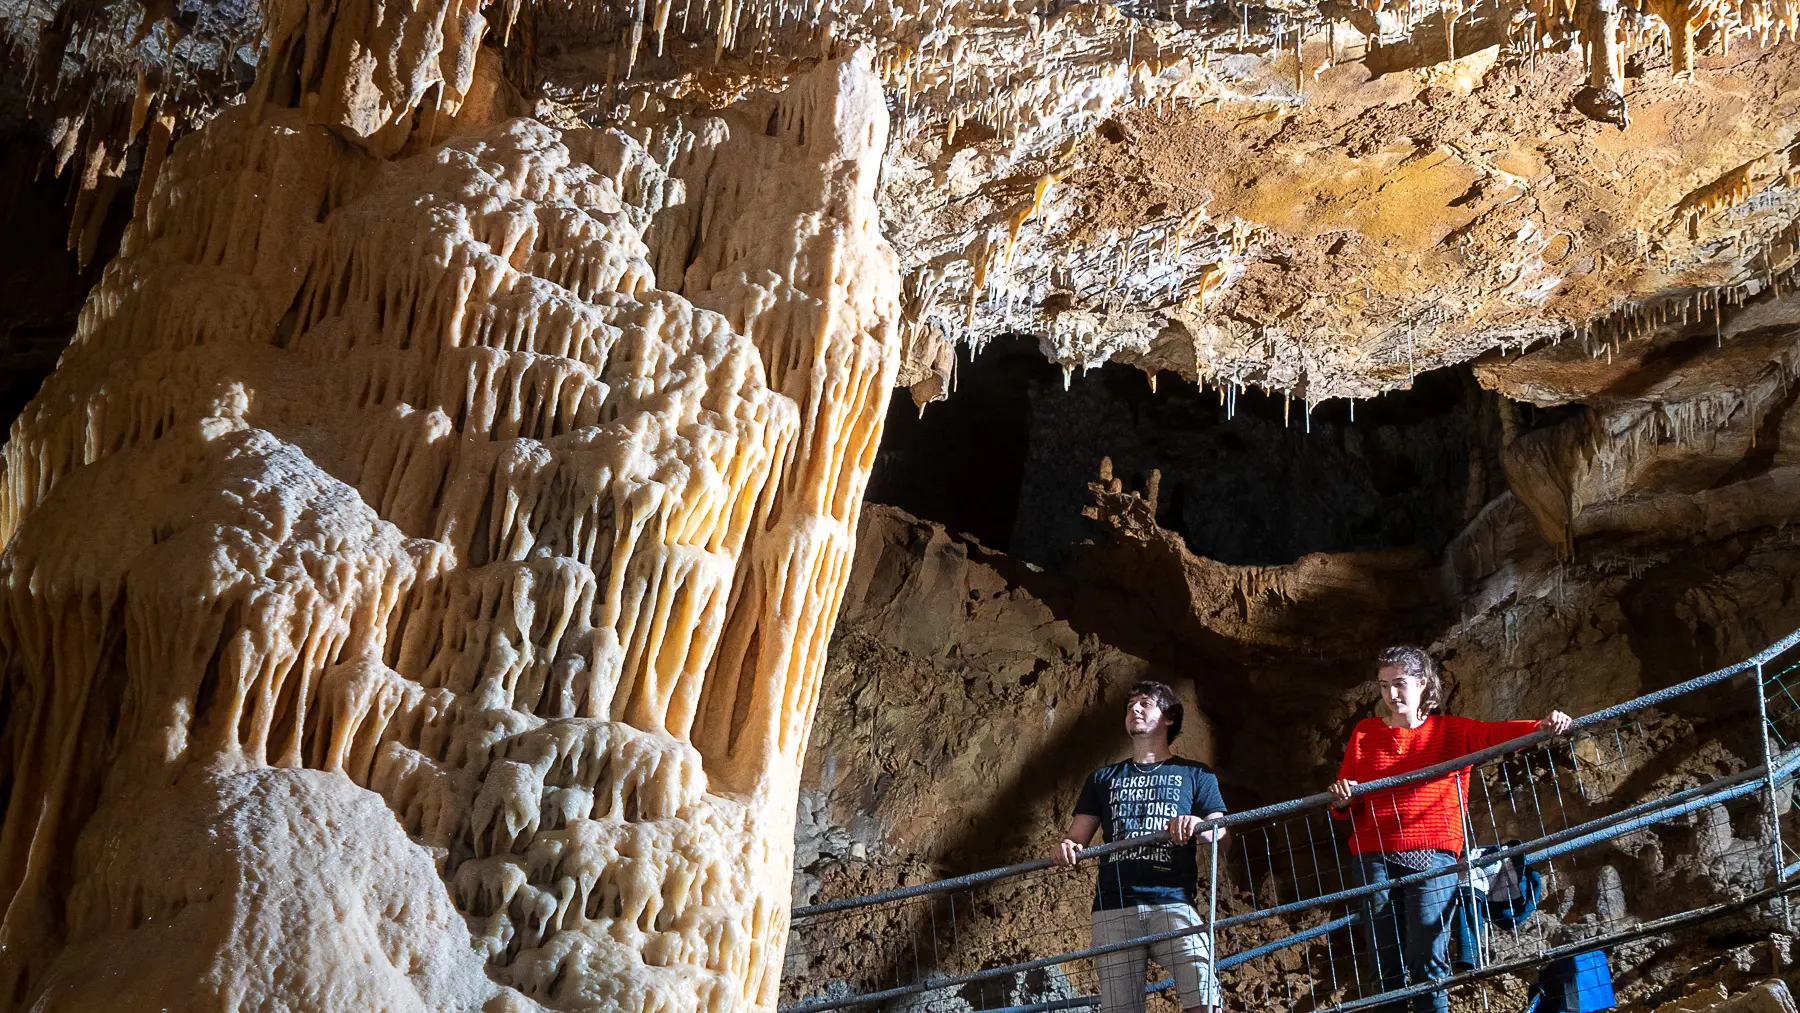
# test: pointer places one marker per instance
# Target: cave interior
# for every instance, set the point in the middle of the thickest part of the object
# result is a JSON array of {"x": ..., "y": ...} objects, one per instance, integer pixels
[{"x": 504, "y": 503}]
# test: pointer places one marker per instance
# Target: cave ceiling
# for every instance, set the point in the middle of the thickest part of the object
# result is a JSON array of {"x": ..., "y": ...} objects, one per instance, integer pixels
[{"x": 1318, "y": 200}]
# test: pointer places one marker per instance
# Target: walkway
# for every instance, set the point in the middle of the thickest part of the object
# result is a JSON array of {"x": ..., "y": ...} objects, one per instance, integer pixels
[{"x": 1284, "y": 905}]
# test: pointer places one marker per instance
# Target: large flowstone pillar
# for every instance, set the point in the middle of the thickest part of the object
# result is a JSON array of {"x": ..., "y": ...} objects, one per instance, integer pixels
[{"x": 420, "y": 566}]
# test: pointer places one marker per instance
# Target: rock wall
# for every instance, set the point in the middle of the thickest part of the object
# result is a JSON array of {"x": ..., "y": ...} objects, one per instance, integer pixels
[
  {"x": 1623, "y": 548},
  {"x": 1620, "y": 526},
  {"x": 420, "y": 565},
  {"x": 958, "y": 714}
]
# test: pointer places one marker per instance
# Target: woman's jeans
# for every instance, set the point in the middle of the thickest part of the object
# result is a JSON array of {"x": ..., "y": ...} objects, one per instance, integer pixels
[{"x": 1408, "y": 930}]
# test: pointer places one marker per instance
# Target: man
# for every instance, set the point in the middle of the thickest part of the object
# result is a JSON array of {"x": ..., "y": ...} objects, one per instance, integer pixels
[{"x": 1148, "y": 890}]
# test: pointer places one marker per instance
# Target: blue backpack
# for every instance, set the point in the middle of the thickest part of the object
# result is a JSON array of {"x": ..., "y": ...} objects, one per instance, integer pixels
[{"x": 1579, "y": 984}]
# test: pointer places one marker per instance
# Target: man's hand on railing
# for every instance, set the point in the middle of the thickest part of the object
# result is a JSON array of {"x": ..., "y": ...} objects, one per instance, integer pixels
[
  {"x": 1341, "y": 789},
  {"x": 1081, "y": 830},
  {"x": 1183, "y": 829},
  {"x": 1556, "y": 724}
]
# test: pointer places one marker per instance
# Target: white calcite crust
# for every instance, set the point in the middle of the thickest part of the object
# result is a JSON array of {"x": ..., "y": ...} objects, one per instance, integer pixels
[{"x": 416, "y": 599}]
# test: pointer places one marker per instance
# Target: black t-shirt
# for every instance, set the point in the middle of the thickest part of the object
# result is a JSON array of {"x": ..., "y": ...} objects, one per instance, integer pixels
[{"x": 1134, "y": 799}]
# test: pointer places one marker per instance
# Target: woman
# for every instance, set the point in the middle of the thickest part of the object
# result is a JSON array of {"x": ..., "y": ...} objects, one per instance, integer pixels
[{"x": 1416, "y": 828}]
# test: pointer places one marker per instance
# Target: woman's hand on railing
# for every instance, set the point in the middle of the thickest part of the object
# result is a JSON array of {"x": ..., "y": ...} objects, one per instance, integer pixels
[
  {"x": 1066, "y": 853},
  {"x": 1341, "y": 789},
  {"x": 1556, "y": 724}
]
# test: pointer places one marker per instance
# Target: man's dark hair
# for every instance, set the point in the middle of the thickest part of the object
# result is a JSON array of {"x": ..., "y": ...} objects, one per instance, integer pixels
[{"x": 1165, "y": 698}]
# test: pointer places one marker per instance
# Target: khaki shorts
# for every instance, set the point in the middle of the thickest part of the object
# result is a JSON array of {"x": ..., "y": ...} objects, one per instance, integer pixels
[{"x": 1186, "y": 958}]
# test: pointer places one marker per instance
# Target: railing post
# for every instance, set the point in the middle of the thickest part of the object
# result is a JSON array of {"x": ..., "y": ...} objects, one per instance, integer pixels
[
  {"x": 1212, "y": 915},
  {"x": 1777, "y": 853},
  {"x": 1466, "y": 881}
]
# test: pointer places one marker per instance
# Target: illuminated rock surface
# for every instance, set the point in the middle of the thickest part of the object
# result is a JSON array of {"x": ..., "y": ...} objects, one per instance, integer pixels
[
  {"x": 421, "y": 566},
  {"x": 397, "y": 546}
]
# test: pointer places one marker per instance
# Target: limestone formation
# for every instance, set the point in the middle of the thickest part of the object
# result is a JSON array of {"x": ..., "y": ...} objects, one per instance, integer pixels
[
  {"x": 420, "y": 569},
  {"x": 420, "y": 565},
  {"x": 1322, "y": 199}
]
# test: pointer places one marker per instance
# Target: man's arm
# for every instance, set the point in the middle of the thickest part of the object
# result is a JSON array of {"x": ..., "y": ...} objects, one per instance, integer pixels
[
  {"x": 1214, "y": 833},
  {"x": 1080, "y": 832},
  {"x": 1183, "y": 829},
  {"x": 1207, "y": 799}
]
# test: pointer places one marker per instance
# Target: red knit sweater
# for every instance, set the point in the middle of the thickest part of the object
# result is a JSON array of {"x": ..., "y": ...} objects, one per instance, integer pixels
[{"x": 1425, "y": 815}]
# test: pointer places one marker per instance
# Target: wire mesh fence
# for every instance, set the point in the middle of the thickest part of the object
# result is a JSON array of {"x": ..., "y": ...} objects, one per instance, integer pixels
[
  {"x": 1307, "y": 906},
  {"x": 1780, "y": 685}
]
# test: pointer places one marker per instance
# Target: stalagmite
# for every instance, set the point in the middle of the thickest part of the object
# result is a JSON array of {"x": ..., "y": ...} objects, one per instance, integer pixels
[
  {"x": 1606, "y": 70},
  {"x": 422, "y": 561}
]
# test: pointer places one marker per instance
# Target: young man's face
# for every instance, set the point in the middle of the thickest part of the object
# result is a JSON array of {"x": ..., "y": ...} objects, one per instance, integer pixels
[{"x": 1144, "y": 715}]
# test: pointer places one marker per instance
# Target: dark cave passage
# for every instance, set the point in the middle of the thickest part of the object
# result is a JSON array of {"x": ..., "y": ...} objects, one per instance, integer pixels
[
  {"x": 42, "y": 283},
  {"x": 1008, "y": 457}
]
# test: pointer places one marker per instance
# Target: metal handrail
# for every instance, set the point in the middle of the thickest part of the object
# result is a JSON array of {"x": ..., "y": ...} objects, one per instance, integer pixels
[
  {"x": 1657, "y": 927},
  {"x": 1321, "y": 800},
  {"x": 1660, "y": 926},
  {"x": 1602, "y": 828},
  {"x": 1225, "y": 964}
]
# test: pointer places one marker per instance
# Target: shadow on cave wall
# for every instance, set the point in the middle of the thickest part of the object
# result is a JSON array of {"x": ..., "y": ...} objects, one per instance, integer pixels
[
  {"x": 42, "y": 285},
  {"x": 1009, "y": 460},
  {"x": 1008, "y": 457}
]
